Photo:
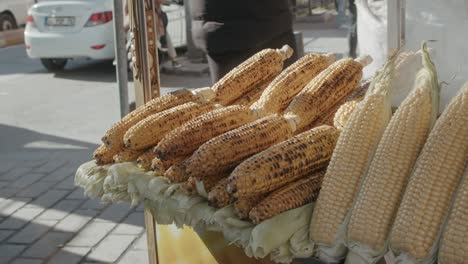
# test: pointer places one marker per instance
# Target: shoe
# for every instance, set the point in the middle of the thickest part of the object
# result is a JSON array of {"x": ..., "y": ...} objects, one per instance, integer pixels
[{"x": 176, "y": 65}]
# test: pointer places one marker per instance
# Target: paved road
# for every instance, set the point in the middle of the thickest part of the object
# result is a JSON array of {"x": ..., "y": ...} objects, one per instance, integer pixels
[{"x": 49, "y": 124}]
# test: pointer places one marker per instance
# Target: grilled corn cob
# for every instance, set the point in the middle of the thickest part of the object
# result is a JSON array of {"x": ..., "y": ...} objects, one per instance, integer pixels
[
  {"x": 243, "y": 206},
  {"x": 104, "y": 154},
  {"x": 355, "y": 145},
  {"x": 290, "y": 82},
  {"x": 250, "y": 73},
  {"x": 391, "y": 165},
  {"x": 149, "y": 131},
  {"x": 127, "y": 155},
  {"x": 144, "y": 160},
  {"x": 340, "y": 111},
  {"x": 326, "y": 90},
  {"x": 160, "y": 167},
  {"x": 455, "y": 236},
  {"x": 218, "y": 196},
  {"x": 433, "y": 182},
  {"x": 289, "y": 197},
  {"x": 176, "y": 173},
  {"x": 249, "y": 98},
  {"x": 284, "y": 162},
  {"x": 188, "y": 137},
  {"x": 114, "y": 136},
  {"x": 205, "y": 186},
  {"x": 229, "y": 149}
]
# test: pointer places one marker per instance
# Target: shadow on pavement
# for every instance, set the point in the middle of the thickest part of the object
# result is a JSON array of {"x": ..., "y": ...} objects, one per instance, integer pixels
[
  {"x": 37, "y": 172},
  {"x": 88, "y": 71}
]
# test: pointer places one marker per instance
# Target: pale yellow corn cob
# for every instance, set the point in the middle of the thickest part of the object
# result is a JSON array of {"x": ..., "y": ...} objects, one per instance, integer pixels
[
  {"x": 188, "y": 137},
  {"x": 104, "y": 154},
  {"x": 355, "y": 145},
  {"x": 283, "y": 163},
  {"x": 176, "y": 173},
  {"x": 340, "y": 111},
  {"x": 290, "y": 82},
  {"x": 455, "y": 236},
  {"x": 218, "y": 196},
  {"x": 326, "y": 90},
  {"x": 249, "y": 98},
  {"x": 229, "y": 149},
  {"x": 383, "y": 186},
  {"x": 114, "y": 136},
  {"x": 288, "y": 197},
  {"x": 144, "y": 160},
  {"x": 160, "y": 167},
  {"x": 433, "y": 182},
  {"x": 243, "y": 206},
  {"x": 250, "y": 73},
  {"x": 127, "y": 155},
  {"x": 149, "y": 131}
]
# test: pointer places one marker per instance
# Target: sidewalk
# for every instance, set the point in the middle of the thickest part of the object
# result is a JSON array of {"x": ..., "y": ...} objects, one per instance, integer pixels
[{"x": 43, "y": 139}]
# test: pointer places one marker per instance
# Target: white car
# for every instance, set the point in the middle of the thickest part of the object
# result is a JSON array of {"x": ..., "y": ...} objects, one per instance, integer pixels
[
  {"x": 13, "y": 13},
  {"x": 60, "y": 30}
]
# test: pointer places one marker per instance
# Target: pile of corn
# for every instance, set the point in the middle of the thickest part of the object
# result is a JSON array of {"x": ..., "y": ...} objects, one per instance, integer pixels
[{"x": 267, "y": 140}]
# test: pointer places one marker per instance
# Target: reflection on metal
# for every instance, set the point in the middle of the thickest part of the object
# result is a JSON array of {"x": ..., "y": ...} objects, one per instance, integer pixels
[
  {"x": 396, "y": 25},
  {"x": 144, "y": 52}
]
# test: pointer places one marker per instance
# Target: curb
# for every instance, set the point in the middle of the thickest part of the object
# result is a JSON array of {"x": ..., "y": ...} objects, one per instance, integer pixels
[{"x": 11, "y": 37}]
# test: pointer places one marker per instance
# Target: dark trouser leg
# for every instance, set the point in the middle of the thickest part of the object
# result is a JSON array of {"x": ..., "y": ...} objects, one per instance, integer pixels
[
  {"x": 352, "y": 37},
  {"x": 220, "y": 64}
]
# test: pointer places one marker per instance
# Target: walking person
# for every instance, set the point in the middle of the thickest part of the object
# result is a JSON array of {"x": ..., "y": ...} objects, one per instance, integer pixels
[
  {"x": 164, "y": 37},
  {"x": 229, "y": 32}
]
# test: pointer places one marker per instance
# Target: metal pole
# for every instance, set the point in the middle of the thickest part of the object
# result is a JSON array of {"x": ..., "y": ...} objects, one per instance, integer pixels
[{"x": 121, "y": 57}]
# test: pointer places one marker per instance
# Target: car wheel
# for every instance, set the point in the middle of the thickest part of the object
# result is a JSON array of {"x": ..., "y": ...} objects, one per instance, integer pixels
[
  {"x": 54, "y": 65},
  {"x": 7, "y": 22}
]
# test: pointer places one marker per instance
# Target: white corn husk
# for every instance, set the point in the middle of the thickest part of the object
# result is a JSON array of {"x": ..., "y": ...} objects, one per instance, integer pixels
[
  {"x": 171, "y": 205},
  {"x": 90, "y": 177}
]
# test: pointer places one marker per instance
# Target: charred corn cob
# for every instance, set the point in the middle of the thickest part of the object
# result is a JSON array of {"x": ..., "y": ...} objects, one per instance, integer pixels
[
  {"x": 127, "y": 155},
  {"x": 189, "y": 187},
  {"x": 355, "y": 145},
  {"x": 455, "y": 237},
  {"x": 284, "y": 162},
  {"x": 250, "y": 73},
  {"x": 392, "y": 163},
  {"x": 433, "y": 182},
  {"x": 104, "y": 154},
  {"x": 205, "y": 186},
  {"x": 340, "y": 111},
  {"x": 252, "y": 96},
  {"x": 326, "y": 90},
  {"x": 114, "y": 136},
  {"x": 144, "y": 160},
  {"x": 149, "y": 131},
  {"x": 177, "y": 173},
  {"x": 243, "y": 206},
  {"x": 160, "y": 167},
  {"x": 218, "y": 196},
  {"x": 229, "y": 149},
  {"x": 188, "y": 137},
  {"x": 289, "y": 197},
  {"x": 290, "y": 82}
]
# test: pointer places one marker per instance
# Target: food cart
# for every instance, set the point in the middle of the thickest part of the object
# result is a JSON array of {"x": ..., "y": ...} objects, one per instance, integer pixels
[{"x": 177, "y": 227}]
